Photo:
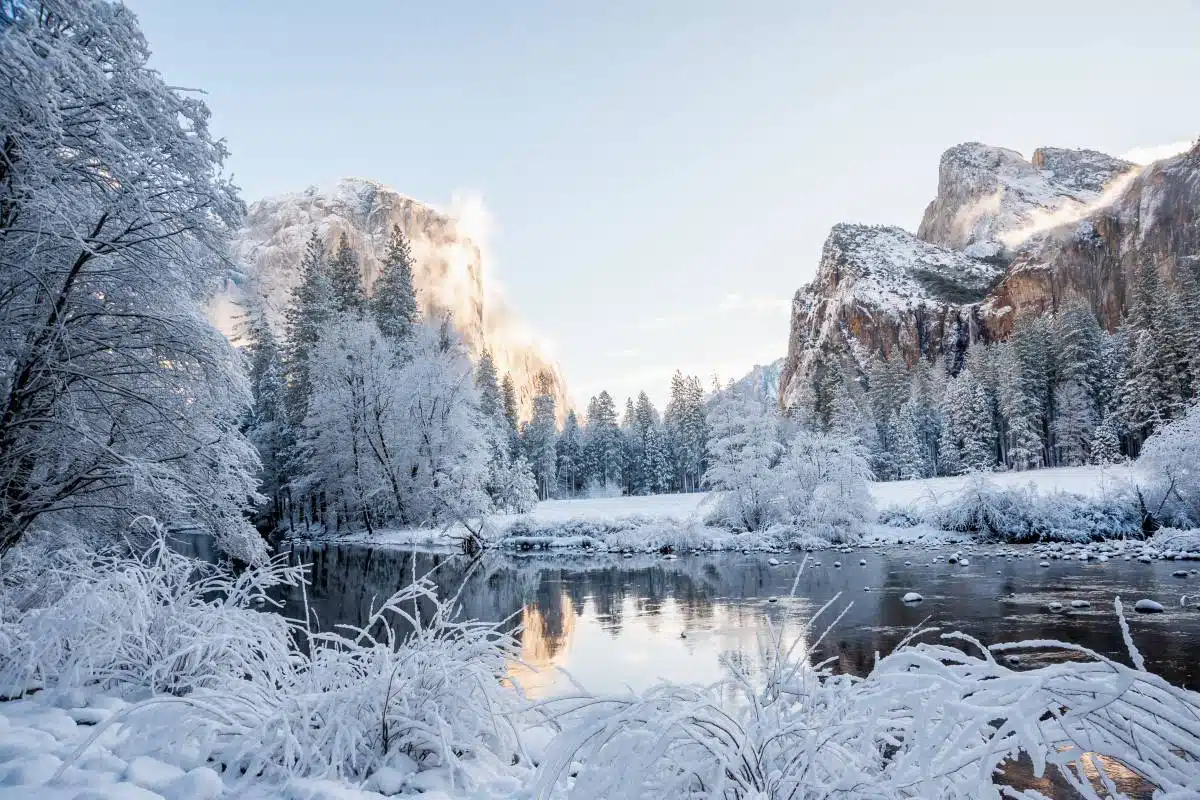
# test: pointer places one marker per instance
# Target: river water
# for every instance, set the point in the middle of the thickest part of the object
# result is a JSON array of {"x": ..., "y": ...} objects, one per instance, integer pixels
[{"x": 613, "y": 623}]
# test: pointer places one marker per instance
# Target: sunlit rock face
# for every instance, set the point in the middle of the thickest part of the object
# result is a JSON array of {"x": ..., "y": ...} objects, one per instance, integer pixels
[
  {"x": 1003, "y": 238},
  {"x": 448, "y": 275}
]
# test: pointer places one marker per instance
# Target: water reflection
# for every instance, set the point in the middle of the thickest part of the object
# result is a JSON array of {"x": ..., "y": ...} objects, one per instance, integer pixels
[{"x": 613, "y": 623}]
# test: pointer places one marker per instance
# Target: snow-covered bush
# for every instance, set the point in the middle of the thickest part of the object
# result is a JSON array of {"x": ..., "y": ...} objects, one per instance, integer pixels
[
  {"x": 1170, "y": 460},
  {"x": 255, "y": 692},
  {"x": 930, "y": 720},
  {"x": 362, "y": 699},
  {"x": 1022, "y": 514},
  {"x": 156, "y": 621}
]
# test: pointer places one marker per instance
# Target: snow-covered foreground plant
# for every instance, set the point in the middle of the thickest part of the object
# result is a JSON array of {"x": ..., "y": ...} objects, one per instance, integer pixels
[
  {"x": 159, "y": 621},
  {"x": 221, "y": 675},
  {"x": 930, "y": 720}
]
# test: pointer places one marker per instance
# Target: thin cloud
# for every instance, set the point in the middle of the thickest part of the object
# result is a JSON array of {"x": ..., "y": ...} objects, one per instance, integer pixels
[{"x": 1147, "y": 155}]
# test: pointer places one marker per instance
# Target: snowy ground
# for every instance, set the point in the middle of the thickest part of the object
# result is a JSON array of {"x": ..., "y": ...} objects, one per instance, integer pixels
[
  {"x": 41, "y": 734},
  {"x": 677, "y": 520},
  {"x": 1088, "y": 481}
]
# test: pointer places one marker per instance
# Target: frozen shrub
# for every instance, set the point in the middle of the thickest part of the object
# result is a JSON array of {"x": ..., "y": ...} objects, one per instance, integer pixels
[
  {"x": 1022, "y": 514},
  {"x": 253, "y": 692},
  {"x": 823, "y": 483},
  {"x": 900, "y": 517},
  {"x": 156, "y": 621}
]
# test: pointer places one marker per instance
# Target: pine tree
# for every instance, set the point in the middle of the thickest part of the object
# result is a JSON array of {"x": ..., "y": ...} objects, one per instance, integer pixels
[
  {"x": 1074, "y": 423},
  {"x": 394, "y": 300},
  {"x": 491, "y": 404},
  {"x": 632, "y": 475},
  {"x": 1140, "y": 400},
  {"x": 512, "y": 408},
  {"x": 909, "y": 451},
  {"x": 346, "y": 279},
  {"x": 539, "y": 438},
  {"x": 1078, "y": 346},
  {"x": 656, "y": 465},
  {"x": 311, "y": 308},
  {"x": 1020, "y": 402},
  {"x": 979, "y": 438},
  {"x": 1106, "y": 444},
  {"x": 570, "y": 452},
  {"x": 267, "y": 426},
  {"x": 603, "y": 442}
]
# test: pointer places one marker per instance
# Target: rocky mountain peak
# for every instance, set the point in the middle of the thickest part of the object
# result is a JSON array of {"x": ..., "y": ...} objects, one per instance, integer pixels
[{"x": 988, "y": 196}]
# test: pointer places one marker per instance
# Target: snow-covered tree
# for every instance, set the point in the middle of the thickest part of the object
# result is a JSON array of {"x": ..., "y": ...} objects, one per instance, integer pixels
[
  {"x": 345, "y": 278},
  {"x": 684, "y": 420},
  {"x": 267, "y": 425},
  {"x": 117, "y": 397},
  {"x": 603, "y": 442},
  {"x": 1105, "y": 447},
  {"x": 309, "y": 310},
  {"x": 978, "y": 444},
  {"x": 1171, "y": 460},
  {"x": 393, "y": 438},
  {"x": 393, "y": 299},
  {"x": 538, "y": 439},
  {"x": 512, "y": 485},
  {"x": 743, "y": 451},
  {"x": 571, "y": 458},
  {"x": 824, "y": 482},
  {"x": 907, "y": 451},
  {"x": 1074, "y": 423},
  {"x": 491, "y": 403},
  {"x": 512, "y": 409}
]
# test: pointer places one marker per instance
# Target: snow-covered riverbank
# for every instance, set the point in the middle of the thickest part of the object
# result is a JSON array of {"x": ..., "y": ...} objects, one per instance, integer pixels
[{"x": 678, "y": 522}]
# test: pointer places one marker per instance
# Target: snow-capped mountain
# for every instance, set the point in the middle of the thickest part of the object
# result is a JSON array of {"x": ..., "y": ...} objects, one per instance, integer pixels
[
  {"x": 448, "y": 273},
  {"x": 988, "y": 197},
  {"x": 1004, "y": 237}
]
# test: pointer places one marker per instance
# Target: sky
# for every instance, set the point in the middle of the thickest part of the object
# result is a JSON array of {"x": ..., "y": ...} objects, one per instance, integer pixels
[{"x": 659, "y": 177}]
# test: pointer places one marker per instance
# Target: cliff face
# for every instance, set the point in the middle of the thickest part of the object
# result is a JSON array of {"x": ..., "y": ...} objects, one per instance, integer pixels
[
  {"x": 448, "y": 272},
  {"x": 882, "y": 290},
  {"x": 1004, "y": 237}
]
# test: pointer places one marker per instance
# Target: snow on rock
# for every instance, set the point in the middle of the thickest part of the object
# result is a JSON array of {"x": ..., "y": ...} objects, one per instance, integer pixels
[
  {"x": 880, "y": 289},
  {"x": 912, "y": 597},
  {"x": 200, "y": 783},
  {"x": 390, "y": 780},
  {"x": 118, "y": 791},
  {"x": 29, "y": 770},
  {"x": 987, "y": 194},
  {"x": 150, "y": 773},
  {"x": 1148, "y": 607}
]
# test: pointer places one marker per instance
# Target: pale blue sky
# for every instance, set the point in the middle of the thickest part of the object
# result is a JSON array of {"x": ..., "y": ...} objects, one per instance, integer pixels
[{"x": 662, "y": 174}]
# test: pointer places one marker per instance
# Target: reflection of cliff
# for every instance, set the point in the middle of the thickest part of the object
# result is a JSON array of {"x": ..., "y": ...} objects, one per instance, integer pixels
[{"x": 545, "y": 642}]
